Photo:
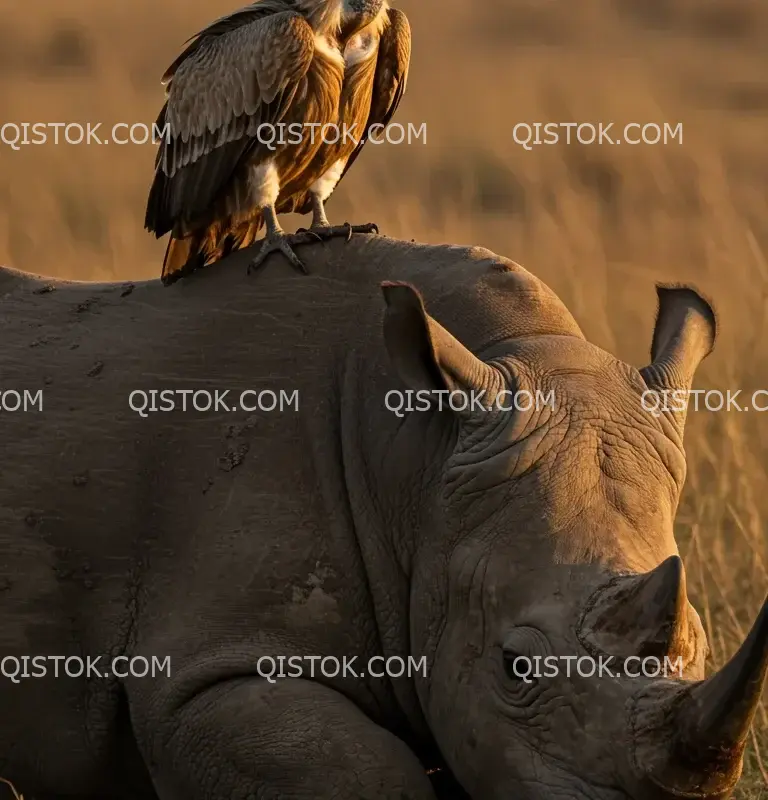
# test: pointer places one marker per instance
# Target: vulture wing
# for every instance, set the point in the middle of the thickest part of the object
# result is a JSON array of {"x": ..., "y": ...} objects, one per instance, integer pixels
[{"x": 241, "y": 72}]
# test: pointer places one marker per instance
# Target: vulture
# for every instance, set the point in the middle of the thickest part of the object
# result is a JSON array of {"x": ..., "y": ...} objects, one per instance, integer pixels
[{"x": 266, "y": 110}]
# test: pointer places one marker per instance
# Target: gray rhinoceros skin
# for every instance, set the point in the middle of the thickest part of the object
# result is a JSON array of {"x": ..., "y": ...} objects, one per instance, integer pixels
[{"x": 216, "y": 538}]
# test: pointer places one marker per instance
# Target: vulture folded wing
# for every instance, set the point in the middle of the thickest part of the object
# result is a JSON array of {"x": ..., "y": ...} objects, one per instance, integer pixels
[
  {"x": 391, "y": 77},
  {"x": 228, "y": 85},
  {"x": 224, "y": 24}
]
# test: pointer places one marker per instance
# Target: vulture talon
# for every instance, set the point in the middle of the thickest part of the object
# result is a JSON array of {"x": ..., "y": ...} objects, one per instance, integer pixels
[
  {"x": 326, "y": 232},
  {"x": 279, "y": 241},
  {"x": 311, "y": 232}
]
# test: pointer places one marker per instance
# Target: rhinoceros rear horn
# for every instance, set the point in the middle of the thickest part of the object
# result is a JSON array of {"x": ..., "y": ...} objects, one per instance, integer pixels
[
  {"x": 691, "y": 742},
  {"x": 643, "y": 615},
  {"x": 425, "y": 355},
  {"x": 684, "y": 335}
]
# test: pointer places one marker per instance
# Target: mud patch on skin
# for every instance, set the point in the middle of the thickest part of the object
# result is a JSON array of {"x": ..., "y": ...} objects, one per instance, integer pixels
[
  {"x": 95, "y": 369},
  {"x": 238, "y": 429},
  {"x": 86, "y": 305},
  {"x": 33, "y": 518},
  {"x": 310, "y": 603},
  {"x": 45, "y": 340},
  {"x": 234, "y": 457},
  {"x": 312, "y": 607},
  {"x": 68, "y": 572},
  {"x": 320, "y": 575},
  {"x": 49, "y": 287},
  {"x": 127, "y": 289},
  {"x": 236, "y": 451}
]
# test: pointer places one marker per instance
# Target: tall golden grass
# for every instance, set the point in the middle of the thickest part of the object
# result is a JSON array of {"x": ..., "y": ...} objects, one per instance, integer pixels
[{"x": 600, "y": 224}]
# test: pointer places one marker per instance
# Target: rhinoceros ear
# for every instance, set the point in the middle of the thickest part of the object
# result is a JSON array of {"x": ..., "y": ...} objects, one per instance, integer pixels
[
  {"x": 425, "y": 355},
  {"x": 684, "y": 335}
]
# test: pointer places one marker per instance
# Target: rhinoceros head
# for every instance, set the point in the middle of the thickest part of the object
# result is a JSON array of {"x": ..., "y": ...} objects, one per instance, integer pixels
[{"x": 556, "y": 542}]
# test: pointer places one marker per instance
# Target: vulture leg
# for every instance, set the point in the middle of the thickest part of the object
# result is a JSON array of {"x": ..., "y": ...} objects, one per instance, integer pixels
[
  {"x": 277, "y": 240},
  {"x": 319, "y": 219}
]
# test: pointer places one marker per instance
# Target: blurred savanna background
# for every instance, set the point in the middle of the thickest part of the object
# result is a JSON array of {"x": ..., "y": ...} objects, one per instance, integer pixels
[{"x": 599, "y": 223}]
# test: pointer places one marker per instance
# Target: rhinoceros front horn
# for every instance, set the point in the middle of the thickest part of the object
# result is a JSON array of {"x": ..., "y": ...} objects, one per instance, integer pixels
[
  {"x": 693, "y": 740},
  {"x": 718, "y": 711}
]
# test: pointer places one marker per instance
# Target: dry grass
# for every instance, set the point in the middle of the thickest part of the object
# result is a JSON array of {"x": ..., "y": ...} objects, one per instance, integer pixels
[
  {"x": 16, "y": 795},
  {"x": 599, "y": 224}
]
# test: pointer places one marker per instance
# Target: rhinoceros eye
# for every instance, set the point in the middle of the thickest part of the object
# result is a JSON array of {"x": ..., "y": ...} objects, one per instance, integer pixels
[
  {"x": 518, "y": 667},
  {"x": 522, "y": 650}
]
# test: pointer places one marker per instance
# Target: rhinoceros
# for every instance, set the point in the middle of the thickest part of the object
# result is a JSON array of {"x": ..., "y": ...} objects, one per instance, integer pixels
[{"x": 213, "y": 542}]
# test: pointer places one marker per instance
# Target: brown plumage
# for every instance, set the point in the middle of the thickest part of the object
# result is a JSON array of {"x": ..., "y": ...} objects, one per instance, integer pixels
[{"x": 274, "y": 64}]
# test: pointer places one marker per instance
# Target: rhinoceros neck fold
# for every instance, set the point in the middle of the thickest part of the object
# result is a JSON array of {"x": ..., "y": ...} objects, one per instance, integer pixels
[{"x": 391, "y": 467}]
